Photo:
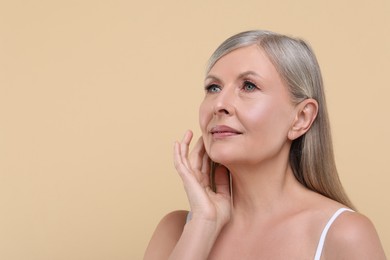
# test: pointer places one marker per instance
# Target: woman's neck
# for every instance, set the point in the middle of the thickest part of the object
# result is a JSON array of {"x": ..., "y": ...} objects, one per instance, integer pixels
[{"x": 265, "y": 189}]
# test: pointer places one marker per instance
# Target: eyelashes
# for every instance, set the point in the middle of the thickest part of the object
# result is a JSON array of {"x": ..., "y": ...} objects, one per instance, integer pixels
[
  {"x": 247, "y": 86},
  {"x": 213, "y": 88}
]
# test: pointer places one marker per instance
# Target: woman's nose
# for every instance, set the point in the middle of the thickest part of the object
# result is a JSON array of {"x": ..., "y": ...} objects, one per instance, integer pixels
[{"x": 224, "y": 103}]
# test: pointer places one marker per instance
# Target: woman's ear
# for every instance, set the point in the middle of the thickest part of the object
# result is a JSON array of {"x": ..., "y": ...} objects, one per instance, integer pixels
[{"x": 306, "y": 114}]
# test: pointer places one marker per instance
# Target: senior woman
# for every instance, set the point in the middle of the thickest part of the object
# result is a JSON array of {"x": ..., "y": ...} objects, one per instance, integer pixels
[{"x": 261, "y": 180}]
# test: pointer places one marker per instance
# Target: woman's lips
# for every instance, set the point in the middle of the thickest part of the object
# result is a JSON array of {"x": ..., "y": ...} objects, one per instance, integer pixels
[{"x": 222, "y": 131}]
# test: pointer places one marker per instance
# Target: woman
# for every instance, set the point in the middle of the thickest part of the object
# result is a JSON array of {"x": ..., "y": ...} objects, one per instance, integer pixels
[{"x": 277, "y": 194}]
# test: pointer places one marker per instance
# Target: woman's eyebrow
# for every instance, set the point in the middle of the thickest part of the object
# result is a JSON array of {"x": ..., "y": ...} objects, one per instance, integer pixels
[
  {"x": 212, "y": 77},
  {"x": 249, "y": 73},
  {"x": 242, "y": 75}
]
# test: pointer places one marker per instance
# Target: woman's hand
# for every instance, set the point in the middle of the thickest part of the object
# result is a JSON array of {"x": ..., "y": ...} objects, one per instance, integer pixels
[
  {"x": 175, "y": 240},
  {"x": 194, "y": 170}
]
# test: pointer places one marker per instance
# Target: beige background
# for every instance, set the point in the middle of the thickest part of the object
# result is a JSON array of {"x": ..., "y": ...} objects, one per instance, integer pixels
[{"x": 93, "y": 94}]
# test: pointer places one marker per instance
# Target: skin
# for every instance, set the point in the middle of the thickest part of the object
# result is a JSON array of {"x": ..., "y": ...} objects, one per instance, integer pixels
[{"x": 248, "y": 123}]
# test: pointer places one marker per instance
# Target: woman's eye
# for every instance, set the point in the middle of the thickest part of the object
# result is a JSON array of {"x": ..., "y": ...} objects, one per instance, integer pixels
[
  {"x": 213, "y": 88},
  {"x": 249, "y": 86}
]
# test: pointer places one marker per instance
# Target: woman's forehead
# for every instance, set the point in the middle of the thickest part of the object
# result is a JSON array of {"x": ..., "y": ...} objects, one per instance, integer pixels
[{"x": 250, "y": 60}]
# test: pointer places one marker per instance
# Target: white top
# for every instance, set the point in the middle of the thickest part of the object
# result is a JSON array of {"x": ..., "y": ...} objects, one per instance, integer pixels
[{"x": 325, "y": 231}]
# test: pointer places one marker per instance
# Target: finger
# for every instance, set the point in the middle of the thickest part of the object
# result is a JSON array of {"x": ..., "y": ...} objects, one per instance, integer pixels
[
  {"x": 194, "y": 190},
  {"x": 184, "y": 148},
  {"x": 184, "y": 173},
  {"x": 196, "y": 155},
  {"x": 178, "y": 159},
  {"x": 205, "y": 171},
  {"x": 222, "y": 180},
  {"x": 187, "y": 137}
]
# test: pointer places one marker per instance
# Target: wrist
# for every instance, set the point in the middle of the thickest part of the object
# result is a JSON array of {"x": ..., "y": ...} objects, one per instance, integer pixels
[{"x": 212, "y": 225}]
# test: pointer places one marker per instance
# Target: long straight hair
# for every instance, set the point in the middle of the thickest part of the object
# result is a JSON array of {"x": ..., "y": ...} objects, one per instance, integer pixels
[{"x": 311, "y": 155}]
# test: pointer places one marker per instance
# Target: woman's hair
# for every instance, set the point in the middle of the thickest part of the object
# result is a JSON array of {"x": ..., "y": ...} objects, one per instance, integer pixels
[{"x": 311, "y": 155}]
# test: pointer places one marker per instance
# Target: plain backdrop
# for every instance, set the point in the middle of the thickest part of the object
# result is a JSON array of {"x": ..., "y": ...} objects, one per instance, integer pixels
[{"x": 93, "y": 94}]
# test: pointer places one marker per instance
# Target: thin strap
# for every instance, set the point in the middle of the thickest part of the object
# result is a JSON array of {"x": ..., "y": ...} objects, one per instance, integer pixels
[{"x": 325, "y": 231}]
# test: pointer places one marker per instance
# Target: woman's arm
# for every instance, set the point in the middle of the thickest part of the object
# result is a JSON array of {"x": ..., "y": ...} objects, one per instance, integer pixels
[
  {"x": 196, "y": 241},
  {"x": 174, "y": 239},
  {"x": 166, "y": 235}
]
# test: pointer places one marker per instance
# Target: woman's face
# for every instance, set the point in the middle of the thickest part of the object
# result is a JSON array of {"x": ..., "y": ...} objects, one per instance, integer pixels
[{"x": 247, "y": 110}]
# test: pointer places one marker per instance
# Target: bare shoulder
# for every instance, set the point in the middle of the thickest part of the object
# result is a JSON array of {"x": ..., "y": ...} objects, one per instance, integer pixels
[
  {"x": 166, "y": 235},
  {"x": 353, "y": 236}
]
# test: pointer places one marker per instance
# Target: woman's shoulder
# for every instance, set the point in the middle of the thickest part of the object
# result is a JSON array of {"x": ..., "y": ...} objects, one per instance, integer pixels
[
  {"x": 352, "y": 236},
  {"x": 172, "y": 224},
  {"x": 166, "y": 235},
  {"x": 174, "y": 220}
]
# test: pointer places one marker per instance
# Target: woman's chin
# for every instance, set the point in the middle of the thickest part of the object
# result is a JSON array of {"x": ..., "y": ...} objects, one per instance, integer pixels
[
  {"x": 225, "y": 155},
  {"x": 223, "y": 159}
]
